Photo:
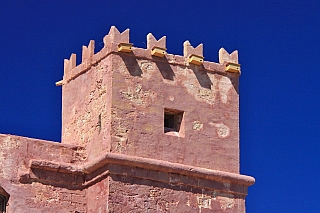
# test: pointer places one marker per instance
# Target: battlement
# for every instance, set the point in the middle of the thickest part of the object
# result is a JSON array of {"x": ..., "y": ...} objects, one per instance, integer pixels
[{"x": 192, "y": 56}]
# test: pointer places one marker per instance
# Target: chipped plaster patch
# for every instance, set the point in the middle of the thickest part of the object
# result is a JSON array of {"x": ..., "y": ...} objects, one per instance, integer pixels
[
  {"x": 224, "y": 86},
  {"x": 153, "y": 193},
  {"x": 206, "y": 95},
  {"x": 137, "y": 95},
  {"x": 121, "y": 135},
  {"x": 226, "y": 202},
  {"x": 188, "y": 202},
  {"x": 194, "y": 88},
  {"x": 218, "y": 85},
  {"x": 80, "y": 154},
  {"x": 204, "y": 202},
  {"x": 221, "y": 129},
  {"x": 46, "y": 194},
  {"x": 10, "y": 143},
  {"x": 197, "y": 125}
]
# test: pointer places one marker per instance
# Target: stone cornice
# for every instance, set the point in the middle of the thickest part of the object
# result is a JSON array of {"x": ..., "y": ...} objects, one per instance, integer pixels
[{"x": 133, "y": 162}]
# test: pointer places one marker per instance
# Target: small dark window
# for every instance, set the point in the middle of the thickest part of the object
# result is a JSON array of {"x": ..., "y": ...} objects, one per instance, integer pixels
[
  {"x": 172, "y": 120},
  {"x": 3, "y": 203},
  {"x": 4, "y": 197}
]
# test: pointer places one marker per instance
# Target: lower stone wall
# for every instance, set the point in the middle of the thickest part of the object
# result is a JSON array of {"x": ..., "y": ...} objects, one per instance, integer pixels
[
  {"x": 120, "y": 183},
  {"x": 51, "y": 195},
  {"x": 138, "y": 195},
  {"x": 41, "y": 176},
  {"x": 39, "y": 198}
]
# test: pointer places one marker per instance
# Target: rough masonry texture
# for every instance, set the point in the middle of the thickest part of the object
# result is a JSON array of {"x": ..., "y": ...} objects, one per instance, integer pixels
[{"x": 140, "y": 133}]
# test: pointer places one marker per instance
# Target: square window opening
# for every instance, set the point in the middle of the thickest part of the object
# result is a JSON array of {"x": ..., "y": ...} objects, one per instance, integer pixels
[
  {"x": 4, "y": 197},
  {"x": 172, "y": 120},
  {"x": 3, "y": 203}
]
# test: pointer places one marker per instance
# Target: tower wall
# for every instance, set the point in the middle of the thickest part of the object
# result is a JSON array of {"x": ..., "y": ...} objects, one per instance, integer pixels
[
  {"x": 116, "y": 102},
  {"x": 143, "y": 89},
  {"x": 86, "y": 118}
]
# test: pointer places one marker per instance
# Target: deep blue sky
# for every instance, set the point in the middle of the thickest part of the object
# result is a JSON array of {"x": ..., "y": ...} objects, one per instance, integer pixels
[{"x": 278, "y": 43}]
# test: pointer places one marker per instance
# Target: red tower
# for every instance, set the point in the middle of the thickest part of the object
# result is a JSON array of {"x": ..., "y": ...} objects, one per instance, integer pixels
[{"x": 142, "y": 131}]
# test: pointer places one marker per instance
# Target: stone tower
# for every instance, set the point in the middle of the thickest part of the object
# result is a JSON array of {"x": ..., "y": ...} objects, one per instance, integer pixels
[{"x": 142, "y": 131}]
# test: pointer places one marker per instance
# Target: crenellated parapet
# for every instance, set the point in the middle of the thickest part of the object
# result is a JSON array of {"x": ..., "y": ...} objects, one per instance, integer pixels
[
  {"x": 153, "y": 42},
  {"x": 224, "y": 56},
  {"x": 114, "y": 38},
  {"x": 118, "y": 43},
  {"x": 88, "y": 52}
]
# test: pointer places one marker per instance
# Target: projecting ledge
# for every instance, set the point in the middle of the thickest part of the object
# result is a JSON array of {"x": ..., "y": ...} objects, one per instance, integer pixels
[{"x": 144, "y": 163}]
